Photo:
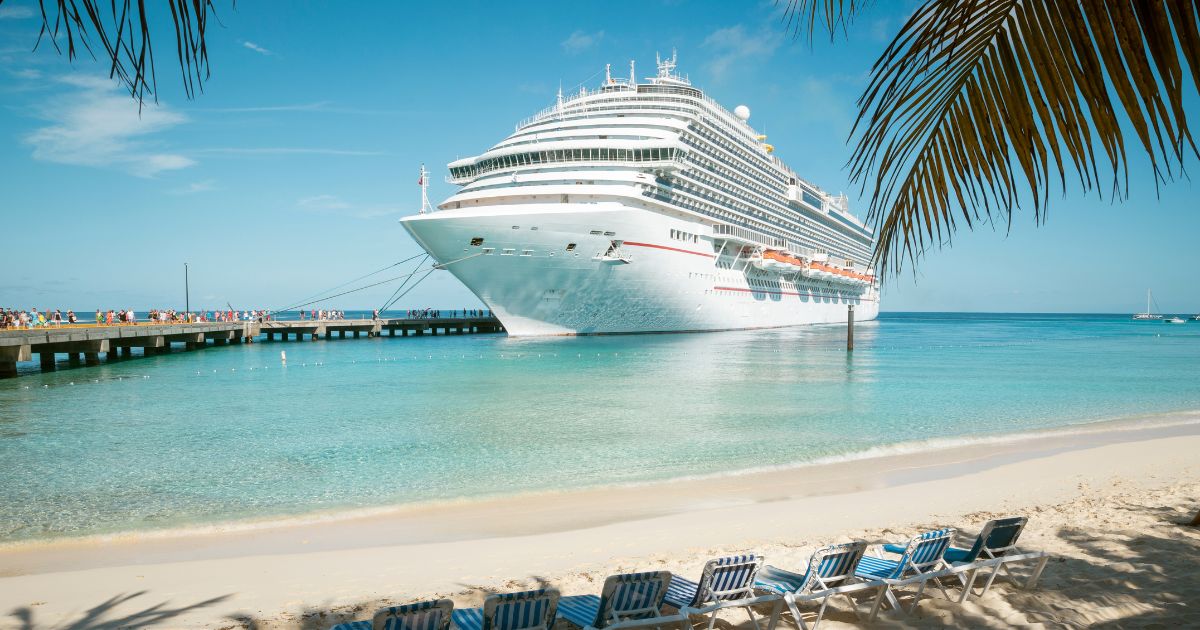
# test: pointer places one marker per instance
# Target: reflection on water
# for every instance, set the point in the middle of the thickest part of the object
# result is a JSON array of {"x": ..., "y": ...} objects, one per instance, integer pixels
[{"x": 229, "y": 433}]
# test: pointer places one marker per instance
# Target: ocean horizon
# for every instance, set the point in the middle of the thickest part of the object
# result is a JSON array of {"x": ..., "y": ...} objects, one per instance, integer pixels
[{"x": 228, "y": 434}]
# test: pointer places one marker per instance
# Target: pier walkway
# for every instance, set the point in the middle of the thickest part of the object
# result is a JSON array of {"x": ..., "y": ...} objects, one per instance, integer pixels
[
  {"x": 316, "y": 329},
  {"x": 85, "y": 343}
]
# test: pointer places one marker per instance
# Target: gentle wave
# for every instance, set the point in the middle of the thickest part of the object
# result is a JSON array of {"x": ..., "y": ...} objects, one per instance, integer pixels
[{"x": 1093, "y": 427}]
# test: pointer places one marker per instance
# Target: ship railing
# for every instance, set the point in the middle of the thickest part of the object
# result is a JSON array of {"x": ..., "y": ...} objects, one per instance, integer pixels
[
  {"x": 745, "y": 235},
  {"x": 676, "y": 163}
]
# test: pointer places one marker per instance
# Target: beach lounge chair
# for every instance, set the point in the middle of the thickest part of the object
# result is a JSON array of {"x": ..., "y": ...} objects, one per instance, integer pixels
[
  {"x": 429, "y": 615},
  {"x": 830, "y": 572},
  {"x": 997, "y": 541},
  {"x": 527, "y": 610},
  {"x": 725, "y": 583},
  {"x": 627, "y": 600},
  {"x": 922, "y": 559}
]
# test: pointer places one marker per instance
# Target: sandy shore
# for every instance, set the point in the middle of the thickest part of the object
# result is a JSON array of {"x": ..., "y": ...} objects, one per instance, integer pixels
[{"x": 1107, "y": 502}]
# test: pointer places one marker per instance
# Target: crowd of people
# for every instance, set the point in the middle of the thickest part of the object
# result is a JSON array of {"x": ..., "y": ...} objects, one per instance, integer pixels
[
  {"x": 324, "y": 315},
  {"x": 434, "y": 313},
  {"x": 33, "y": 318},
  {"x": 11, "y": 318}
]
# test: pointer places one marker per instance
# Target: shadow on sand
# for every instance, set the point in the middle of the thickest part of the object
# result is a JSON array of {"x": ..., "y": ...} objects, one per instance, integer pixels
[{"x": 104, "y": 616}]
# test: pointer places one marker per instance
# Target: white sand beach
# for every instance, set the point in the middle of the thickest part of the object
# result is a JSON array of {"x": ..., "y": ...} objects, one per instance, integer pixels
[{"x": 1108, "y": 503}]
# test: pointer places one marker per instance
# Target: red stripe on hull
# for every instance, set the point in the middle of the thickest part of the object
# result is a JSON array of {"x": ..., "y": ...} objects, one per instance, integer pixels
[{"x": 670, "y": 249}]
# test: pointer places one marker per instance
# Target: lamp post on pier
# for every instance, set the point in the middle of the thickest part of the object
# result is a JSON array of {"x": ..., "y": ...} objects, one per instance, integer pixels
[{"x": 187, "y": 295}]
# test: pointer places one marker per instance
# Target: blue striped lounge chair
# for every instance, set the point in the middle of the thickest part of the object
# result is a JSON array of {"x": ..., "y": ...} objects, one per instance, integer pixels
[
  {"x": 921, "y": 559},
  {"x": 725, "y": 583},
  {"x": 830, "y": 572},
  {"x": 527, "y": 610},
  {"x": 627, "y": 599},
  {"x": 430, "y": 615}
]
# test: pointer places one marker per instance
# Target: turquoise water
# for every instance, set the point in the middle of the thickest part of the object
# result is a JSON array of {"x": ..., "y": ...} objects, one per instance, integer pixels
[{"x": 222, "y": 434}]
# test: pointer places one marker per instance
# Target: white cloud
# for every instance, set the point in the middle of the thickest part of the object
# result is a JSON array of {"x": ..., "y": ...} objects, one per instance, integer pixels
[
  {"x": 285, "y": 151},
  {"x": 256, "y": 48},
  {"x": 97, "y": 125},
  {"x": 580, "y": 41},
  {"x": 322, "y": 202},
  {"x": 332, "y": 204},
  {"x": 195, "y": 187},
  {"x": 28, "y": 73},
  {"x": 733, "y": 45},
  {"x": 15, "y": 13}
]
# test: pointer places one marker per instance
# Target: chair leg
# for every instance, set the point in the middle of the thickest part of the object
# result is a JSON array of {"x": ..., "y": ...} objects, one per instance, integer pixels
[
  {"x": 1037, "y": 573},
  {"x": 991, "y": 578},
  {"x": 791, "y": 603},
  {"x": 776, "y": 613},
  {"x": 750, "y": 612},
  {"x": 853, "y": 605},
  {"x": 942, "y": 588},
  {"x": 821, "y": 613},
  {"x": 883, "y": 592},
  {"x": 968, "y": 584},
  {"x": 916, "y": 599}
]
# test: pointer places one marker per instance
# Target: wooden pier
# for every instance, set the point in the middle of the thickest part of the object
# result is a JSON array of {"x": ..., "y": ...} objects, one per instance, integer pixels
[
  {"x": 84, "y": 344},
  {"x": 317, "y": 329}
]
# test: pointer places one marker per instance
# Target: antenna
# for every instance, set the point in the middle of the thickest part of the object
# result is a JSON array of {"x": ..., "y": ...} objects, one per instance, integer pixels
[
  {"x": 608, "y": 74},
  {"x": 632, "y": 76},
  {"x": 423, "y": 182}
]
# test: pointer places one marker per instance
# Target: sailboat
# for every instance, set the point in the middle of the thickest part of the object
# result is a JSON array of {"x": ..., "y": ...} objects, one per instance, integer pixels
[{"x": 1147, "y": 314}]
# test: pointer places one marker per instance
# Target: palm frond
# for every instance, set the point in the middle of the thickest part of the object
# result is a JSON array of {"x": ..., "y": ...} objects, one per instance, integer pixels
[
  {"x": 124, "y": 36},
  {"x": 978, "y": 106},
  {"x": 804, "y": 17}
]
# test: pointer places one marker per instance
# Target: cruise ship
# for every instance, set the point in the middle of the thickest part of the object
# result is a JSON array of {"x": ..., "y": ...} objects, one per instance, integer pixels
[{"x": 643, "y": 207}]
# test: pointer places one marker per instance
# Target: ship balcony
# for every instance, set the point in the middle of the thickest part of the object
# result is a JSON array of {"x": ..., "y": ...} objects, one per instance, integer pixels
[{"x": 664, "y": 161}]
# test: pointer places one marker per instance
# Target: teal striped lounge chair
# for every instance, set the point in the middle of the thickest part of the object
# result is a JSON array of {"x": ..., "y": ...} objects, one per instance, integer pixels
[
  {"x": 527, "y": 610},
  {"x": 627, "y": 600},
  {"x": 430, "y": 615},
  {"x": 725, "y": 583},
  {"x": 921, "y": 559},
  {"x": 995, "y": 547},
  {"x": 830, "y": 572}
]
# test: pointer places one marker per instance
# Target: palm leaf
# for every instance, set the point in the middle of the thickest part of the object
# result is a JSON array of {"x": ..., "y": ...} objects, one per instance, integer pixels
[
  {"x": 978, "y": 106},
  {"x": 805, "y": 16},
  {"x": 124, "y": 36}
]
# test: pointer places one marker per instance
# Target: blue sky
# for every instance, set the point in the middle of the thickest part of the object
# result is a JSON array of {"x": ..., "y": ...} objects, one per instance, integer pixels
[{"x": 288, "y": 174}]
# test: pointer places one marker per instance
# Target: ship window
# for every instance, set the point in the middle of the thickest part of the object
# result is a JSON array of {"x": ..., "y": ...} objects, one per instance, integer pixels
[
  {"x": 477, "y": 241},
  {"x": 527, "y": 252},
  {"x": 488, "y": 250},
  {"x": 595, "y": 232},
  {"x": 516, "y": 227},
  {"x": 610, "y": 233},
  {"x": 570, "y": 247},
  {"x": 508, "y": 252}
]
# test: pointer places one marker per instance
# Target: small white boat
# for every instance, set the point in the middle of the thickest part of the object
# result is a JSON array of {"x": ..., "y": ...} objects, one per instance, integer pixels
[
  {"x": 1174, "y": 320},
  {"x": 1147, "y": 314}
]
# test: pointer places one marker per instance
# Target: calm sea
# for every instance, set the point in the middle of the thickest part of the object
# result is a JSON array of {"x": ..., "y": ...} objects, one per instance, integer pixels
[{"x": 227, "y": 433}]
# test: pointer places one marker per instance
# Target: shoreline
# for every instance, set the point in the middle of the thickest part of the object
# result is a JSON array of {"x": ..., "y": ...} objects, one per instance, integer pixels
[
  {"x": 316, "y": 575},
  {"x": 875, "y": 467}
]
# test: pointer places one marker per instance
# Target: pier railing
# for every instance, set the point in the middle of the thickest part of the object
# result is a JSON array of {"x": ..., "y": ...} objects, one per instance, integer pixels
[{"x": 85, "y": 343}]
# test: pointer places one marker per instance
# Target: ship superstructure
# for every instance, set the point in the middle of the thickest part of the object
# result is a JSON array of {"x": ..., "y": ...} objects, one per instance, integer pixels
[{"x": 647, "y": 207}]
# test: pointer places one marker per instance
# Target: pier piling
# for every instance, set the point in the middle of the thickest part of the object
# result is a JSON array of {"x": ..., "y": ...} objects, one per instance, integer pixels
[{"x": 849, "y": 327}]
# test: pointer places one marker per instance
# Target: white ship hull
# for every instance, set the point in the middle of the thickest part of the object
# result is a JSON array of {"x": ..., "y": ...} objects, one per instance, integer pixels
[{"x": 524, "y": 272}]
